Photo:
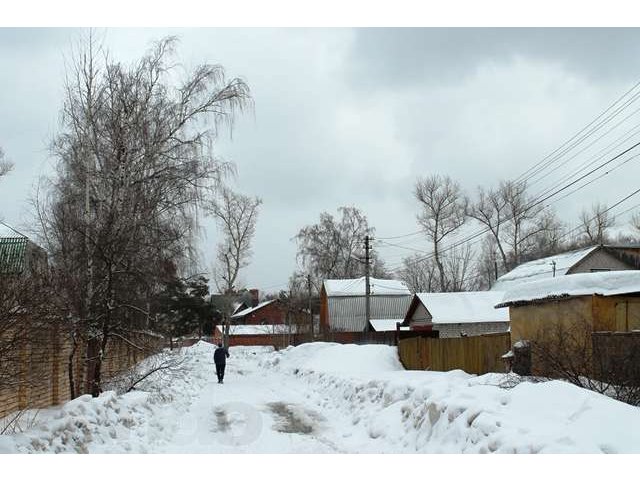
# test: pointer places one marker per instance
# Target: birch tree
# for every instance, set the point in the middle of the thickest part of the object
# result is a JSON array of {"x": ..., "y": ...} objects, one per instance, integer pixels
[
  {"x": 237, "y": 215},
  {"x": 134, "y": 160},
  {"x": 335, "y": 247}
]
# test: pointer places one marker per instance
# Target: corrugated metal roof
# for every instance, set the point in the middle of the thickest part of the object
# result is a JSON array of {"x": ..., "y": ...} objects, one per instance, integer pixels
[
  {"x": 13, "y": 254},
  {"x": 356, "y": 286}
]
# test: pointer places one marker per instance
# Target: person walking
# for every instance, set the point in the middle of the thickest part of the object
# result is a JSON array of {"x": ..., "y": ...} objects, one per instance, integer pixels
[{"x": 220, "y": 359}]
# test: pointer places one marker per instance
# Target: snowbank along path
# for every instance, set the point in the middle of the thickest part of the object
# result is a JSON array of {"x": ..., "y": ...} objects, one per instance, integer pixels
[{"x": 331, "y": 398}]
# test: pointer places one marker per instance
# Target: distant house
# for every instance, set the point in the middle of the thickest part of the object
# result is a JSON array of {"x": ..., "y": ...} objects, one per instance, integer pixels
[
  {"x": 606, "y": 301},
  {"x": 342, "y": 303},
  {"x": 266, "y": 313},
  {"x": 19, "y": 255},
  {"x": 386, "y": 325},
  {"x": 455, "y": 314},
  {"x": 600, "y": 258}
]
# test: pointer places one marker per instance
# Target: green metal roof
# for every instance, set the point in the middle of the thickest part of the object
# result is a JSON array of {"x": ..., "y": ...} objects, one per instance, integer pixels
[{"x": 13, "y": 254}]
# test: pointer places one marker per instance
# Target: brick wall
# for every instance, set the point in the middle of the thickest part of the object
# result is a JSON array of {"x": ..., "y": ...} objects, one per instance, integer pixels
[
  {"x": 271, "y": 314},
  {"x": 42, "y": 371}
]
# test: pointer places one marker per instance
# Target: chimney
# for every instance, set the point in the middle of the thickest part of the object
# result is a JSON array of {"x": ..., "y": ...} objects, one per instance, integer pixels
[{"x": 254, "y": 296}]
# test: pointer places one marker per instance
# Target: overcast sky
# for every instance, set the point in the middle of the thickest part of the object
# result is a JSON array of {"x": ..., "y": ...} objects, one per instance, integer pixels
[{"x": 354, "y": 116}]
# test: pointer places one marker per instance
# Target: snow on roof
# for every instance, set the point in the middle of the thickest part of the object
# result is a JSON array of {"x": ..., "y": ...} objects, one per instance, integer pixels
[
  {"x": 249, "y": 310},
  {"x": 259, "y": 329},
  {"x": 542, "y": 268},
  {"x": 236, "y": 306},
  {"x": 7, "y": 232},
  {"x": 354, "y": 287},
  {"x": 464, "y": 307},
  {"x": 385, "y": 325},
  {"x": 597, "y": 283}
]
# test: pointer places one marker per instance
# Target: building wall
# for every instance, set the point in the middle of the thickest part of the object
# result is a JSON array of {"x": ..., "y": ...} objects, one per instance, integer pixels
[
  {"x": 347, "y": 314},
  {"x": 271, "y": 314},
  {"x": 599, "y": 260},
  {"x": 454, "y": 330},
  {"x": 420, "y": 316},
  {"x": 619, "y": 313},
  {"x": 528, "y": 320}
]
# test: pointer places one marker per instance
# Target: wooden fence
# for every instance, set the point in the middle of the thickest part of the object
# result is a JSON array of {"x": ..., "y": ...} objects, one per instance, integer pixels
[{"x": 479, "y": 354}]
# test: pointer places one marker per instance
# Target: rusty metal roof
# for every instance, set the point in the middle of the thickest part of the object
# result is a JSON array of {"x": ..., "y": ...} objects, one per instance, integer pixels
[{"x": 13, "y": 254}]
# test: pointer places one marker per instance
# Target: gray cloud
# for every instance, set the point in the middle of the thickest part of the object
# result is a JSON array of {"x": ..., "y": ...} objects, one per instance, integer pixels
[
  {"x": 408, "y": 56},
  {"x": 351, "y": 117}
]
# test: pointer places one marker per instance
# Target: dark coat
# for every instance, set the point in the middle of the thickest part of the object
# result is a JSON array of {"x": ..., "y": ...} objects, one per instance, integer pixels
[{"x": 220, "y": 355}]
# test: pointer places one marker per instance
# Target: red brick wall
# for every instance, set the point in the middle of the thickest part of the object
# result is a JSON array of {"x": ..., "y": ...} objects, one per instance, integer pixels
[{"x": 271, "y": 314}]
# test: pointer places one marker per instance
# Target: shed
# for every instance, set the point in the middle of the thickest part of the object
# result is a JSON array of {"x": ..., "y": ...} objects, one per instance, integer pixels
[
  {"x": 342, "y": 303},
  {"x": 606, "y": 301},
  {"x": 455, "y": 314},
  {"x": 594, "y": 259}
]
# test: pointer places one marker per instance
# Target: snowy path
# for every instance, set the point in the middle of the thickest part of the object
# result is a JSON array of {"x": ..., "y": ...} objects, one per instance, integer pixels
[
  {"x": 249, "y": 413},
  {"x": 329, "y": 398}
]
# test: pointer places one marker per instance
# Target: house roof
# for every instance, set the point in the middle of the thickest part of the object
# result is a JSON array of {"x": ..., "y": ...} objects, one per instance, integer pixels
[
  {"x": 238, "y": 307},
  {"x": 460, "y": 307},
  {"x": 250, "y": 310},
  {"x": 385, "y": 325},
  {"x": 13, "y": 254},
  {"x": 542, "y": 268},
  {"x": 579, "y": 284},
  {"x": 356, "y": 287}
]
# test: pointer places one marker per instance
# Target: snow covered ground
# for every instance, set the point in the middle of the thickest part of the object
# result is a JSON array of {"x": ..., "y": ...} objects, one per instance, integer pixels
[{"x": 330, "y": 398}]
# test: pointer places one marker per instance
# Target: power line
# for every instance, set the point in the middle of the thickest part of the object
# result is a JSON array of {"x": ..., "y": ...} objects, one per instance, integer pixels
[{"x": 553, "y": 156}]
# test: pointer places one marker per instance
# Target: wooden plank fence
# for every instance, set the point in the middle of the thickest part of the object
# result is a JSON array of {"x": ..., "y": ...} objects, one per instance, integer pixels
[{"x": 478, "y": 354}]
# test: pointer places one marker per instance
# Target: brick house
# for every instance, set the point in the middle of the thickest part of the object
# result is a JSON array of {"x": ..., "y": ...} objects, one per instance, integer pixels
[{"x": 271, "y": 312}]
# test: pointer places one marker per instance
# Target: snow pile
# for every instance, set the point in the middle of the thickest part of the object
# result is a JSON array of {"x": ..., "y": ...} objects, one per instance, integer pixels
[
  {"x": 452, "y": 412},
  {"x": 336, "y": 358},
  {"x": 112, "y": 423},
  {"x": 598, "y": 283}
]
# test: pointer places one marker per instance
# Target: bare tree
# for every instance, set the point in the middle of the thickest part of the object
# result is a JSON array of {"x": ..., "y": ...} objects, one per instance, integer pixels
[
  {"x": 237, "y": 216},
  {"x": 418, "y": 274},
  {"x": 566, "y": 350},
  {"x": 457, "y": 267},
  {"x": 490, "y": 211},
  {"x": 5, "y": 165},
  {"x": 134, "y": 161},
  {"x": 443, "y": 212},
  {"x": 595, "y": 223},
  {"x": 522, "y": 226},
  {"x": 334, "y": 248}
]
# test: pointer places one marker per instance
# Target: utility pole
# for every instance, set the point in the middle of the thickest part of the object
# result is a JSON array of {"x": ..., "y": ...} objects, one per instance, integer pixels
[
  {"x": 367, "y": 292},
  {"x": 309, "y": 305}
]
